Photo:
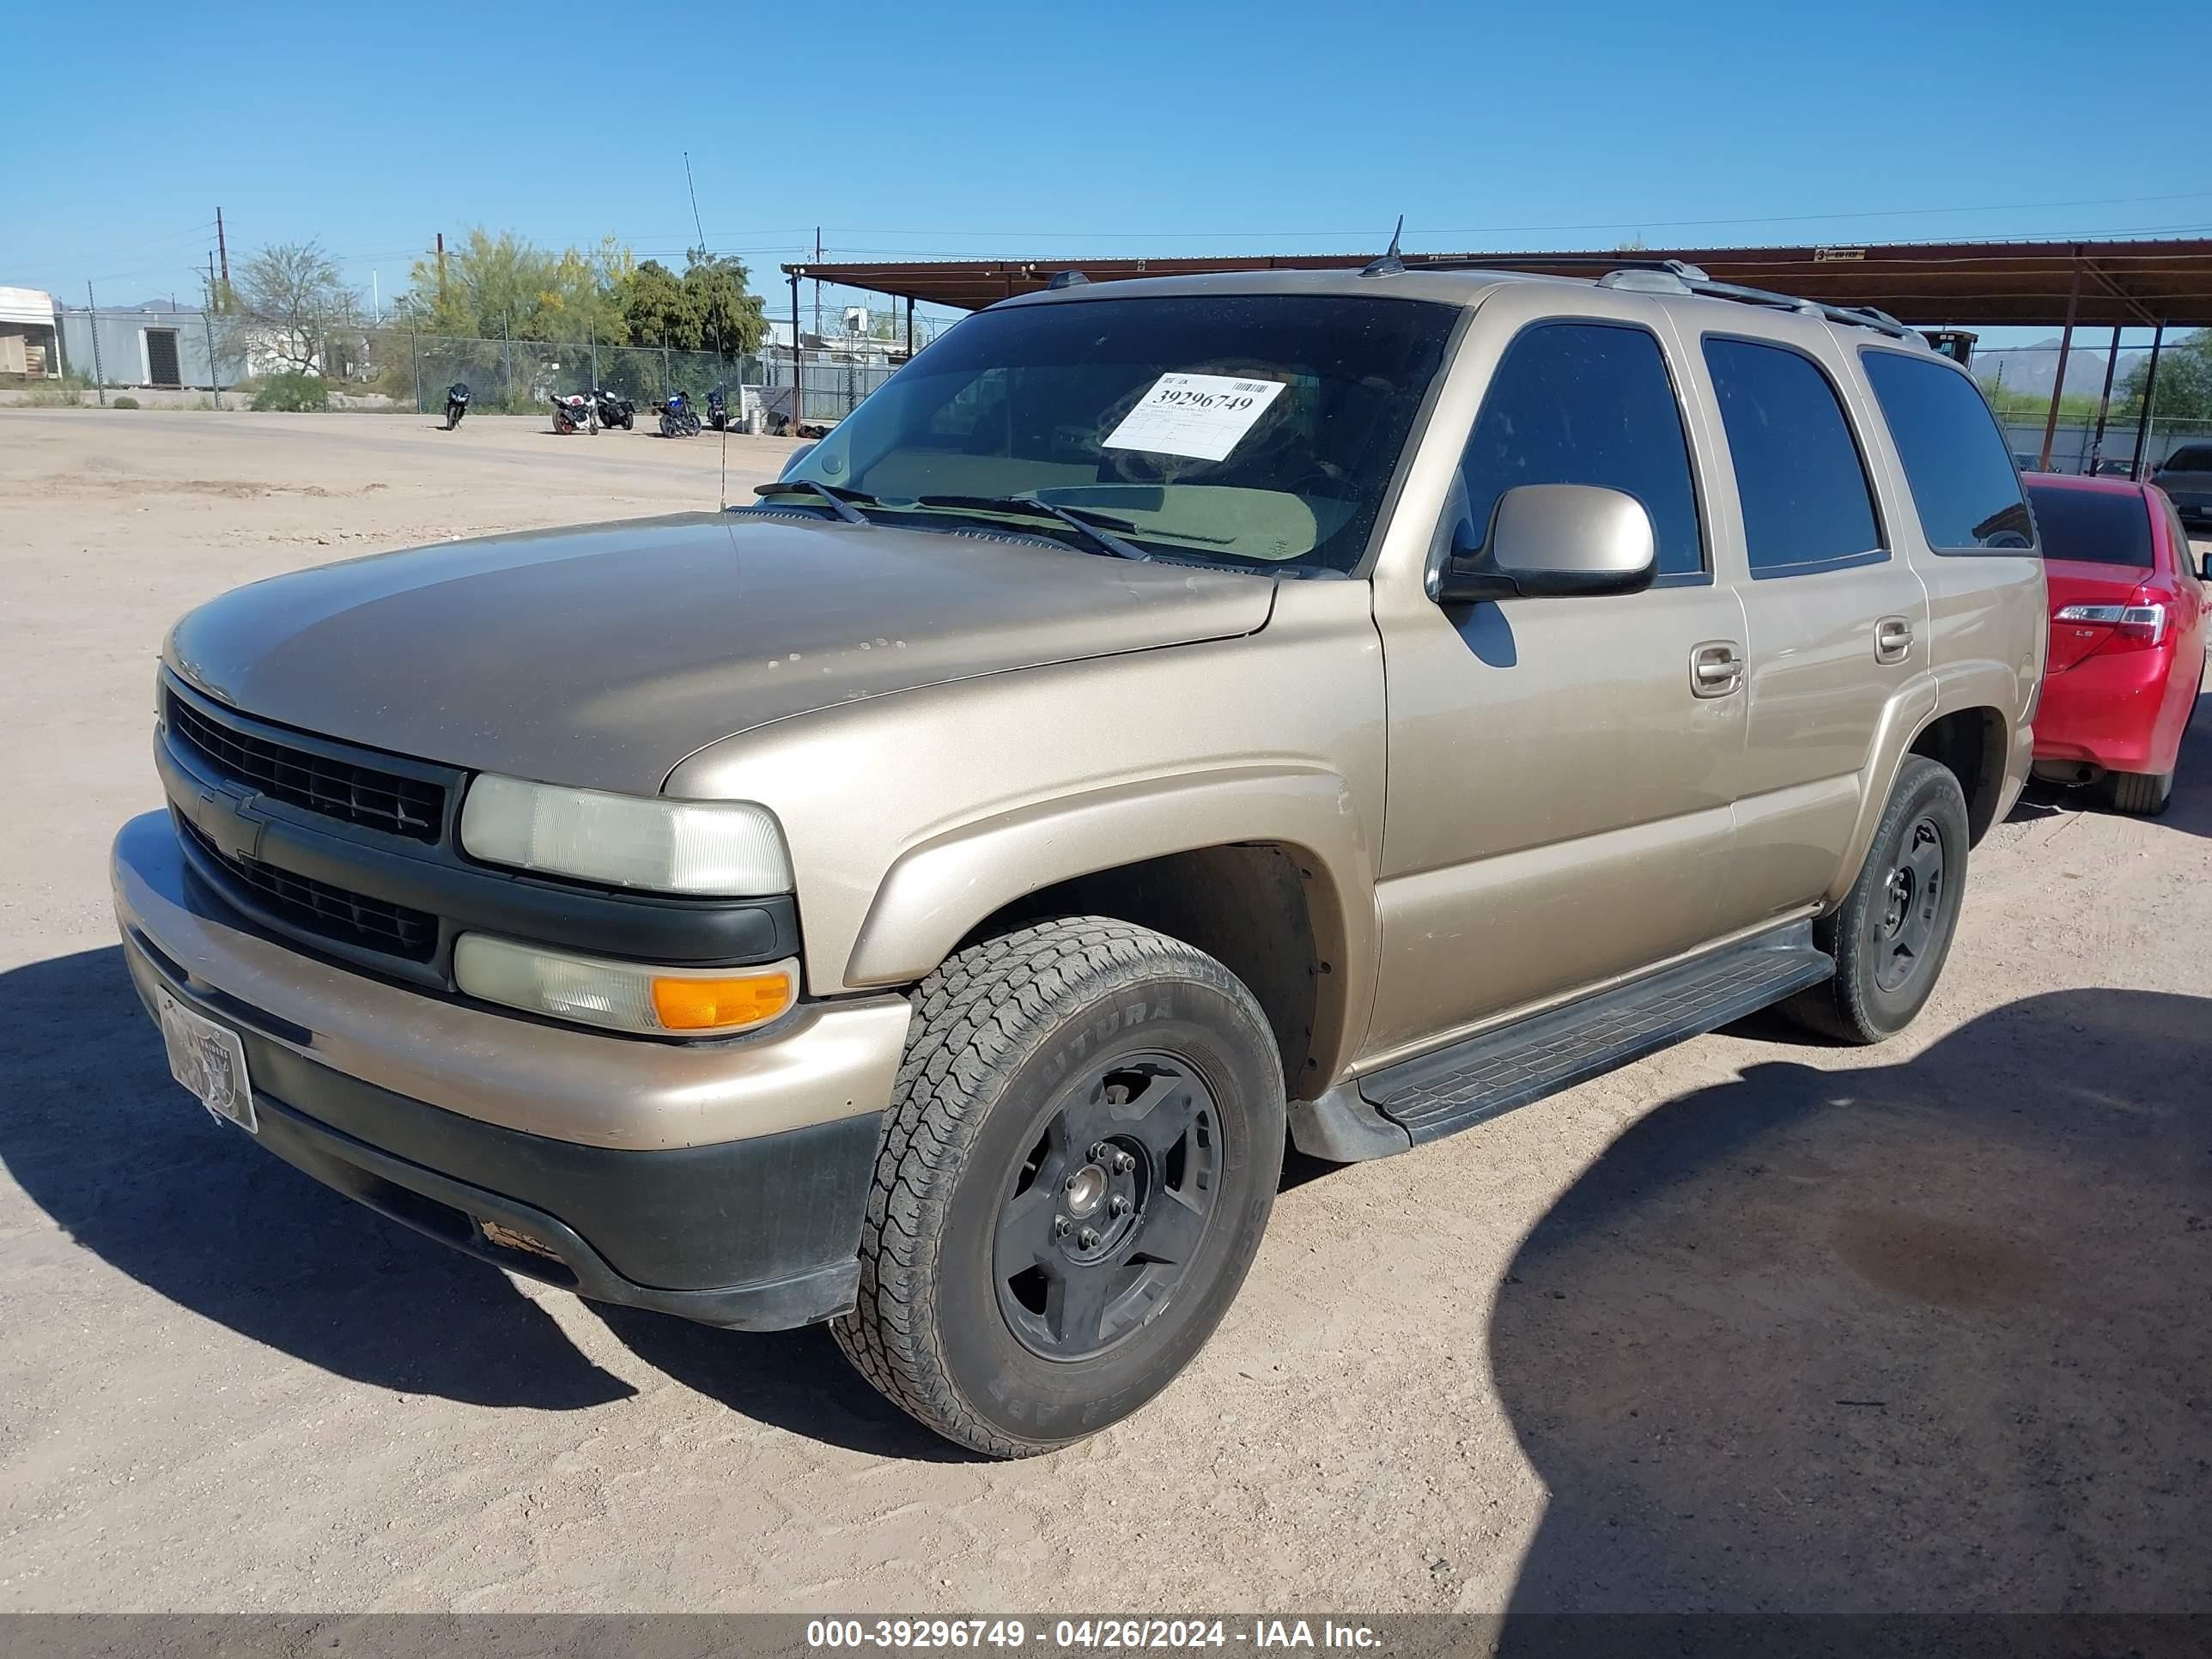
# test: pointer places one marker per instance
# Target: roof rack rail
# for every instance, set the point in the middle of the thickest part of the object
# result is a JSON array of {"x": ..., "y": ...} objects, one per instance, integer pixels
[
  {"x": 1652, "y": 274},
  {"x": 1606, "y": 262},
  {"x": 1850, "y": 316}
]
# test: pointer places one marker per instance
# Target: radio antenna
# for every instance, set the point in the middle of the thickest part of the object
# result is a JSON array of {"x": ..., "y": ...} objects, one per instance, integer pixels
[
  {"x": 722, "y": 489},
  {"x": 1390, "y": 265},
  {"x": 694, "y": 190}
]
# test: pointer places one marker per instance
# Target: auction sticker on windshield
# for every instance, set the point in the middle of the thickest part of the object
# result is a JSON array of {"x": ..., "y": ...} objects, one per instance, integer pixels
[{"x": 1201, "y": 416}]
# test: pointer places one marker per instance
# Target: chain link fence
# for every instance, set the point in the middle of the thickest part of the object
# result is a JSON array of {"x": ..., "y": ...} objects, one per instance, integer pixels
[
  {"x": 393, "y": 365},
  {"x": 521, "y": 376}
]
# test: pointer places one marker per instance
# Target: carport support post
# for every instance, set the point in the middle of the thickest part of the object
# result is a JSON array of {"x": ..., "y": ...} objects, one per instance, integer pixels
[
  {"x": 591, "y": 334},
  {"x": 2059, "y": 385},
  {"x": 507, "y": 357},
  {"x": 796, "y": 376},
  {"x": 415, "y": 349},
  {"x": 910, "y": 325},
  {"x": 2104, "y": 403},
  {"x": 91, "y": 320},
  {"x": 2142, "y": 417}
]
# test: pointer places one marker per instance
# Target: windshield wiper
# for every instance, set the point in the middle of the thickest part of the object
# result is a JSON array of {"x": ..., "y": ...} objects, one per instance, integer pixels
[
  {"x": 1096, "y": 528},
  {"x": 842, "y": 502}
]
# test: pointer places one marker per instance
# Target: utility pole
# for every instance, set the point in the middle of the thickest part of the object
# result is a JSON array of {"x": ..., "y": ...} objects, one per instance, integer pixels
[
  {"x": 91, "y": 317},
  {"x": 223, "y": 248},
  {"x": 818, "y": 281},
  {"x": 214, "y": 368}
]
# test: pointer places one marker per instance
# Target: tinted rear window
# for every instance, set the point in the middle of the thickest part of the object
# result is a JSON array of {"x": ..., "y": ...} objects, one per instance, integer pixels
[
  {"x": 1805, "y": 495},
  {"x": 1963, "y": 485},
  {"x": 2189, "y": 460},
  {"x": 2092, "y": 526}
]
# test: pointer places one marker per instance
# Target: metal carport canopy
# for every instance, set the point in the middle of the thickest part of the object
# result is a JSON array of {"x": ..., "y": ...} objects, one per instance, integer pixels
[{"x": 2133, "y": 285}]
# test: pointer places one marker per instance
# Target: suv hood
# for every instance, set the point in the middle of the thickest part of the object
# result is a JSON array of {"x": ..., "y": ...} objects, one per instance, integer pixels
[{"x": 601, "y": 656}]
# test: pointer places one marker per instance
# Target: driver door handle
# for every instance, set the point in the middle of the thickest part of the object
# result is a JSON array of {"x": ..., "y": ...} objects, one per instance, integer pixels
[
  {"x": 1716, "y": 668},
  {"x": 1893, "y": 640}
]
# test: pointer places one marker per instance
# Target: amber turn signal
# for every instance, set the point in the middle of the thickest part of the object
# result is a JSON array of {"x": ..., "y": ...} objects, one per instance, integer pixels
[{"x": 722, "y": 1005}]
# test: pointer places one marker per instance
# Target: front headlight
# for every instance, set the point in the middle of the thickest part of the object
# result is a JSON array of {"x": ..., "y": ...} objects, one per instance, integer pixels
[
  {"x": 730, "y": 849},
  {"x": 623, "y": 996}
]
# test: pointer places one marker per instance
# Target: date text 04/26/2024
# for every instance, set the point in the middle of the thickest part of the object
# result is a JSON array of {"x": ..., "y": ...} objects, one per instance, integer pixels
[{"x": 1089, "y": 1635}]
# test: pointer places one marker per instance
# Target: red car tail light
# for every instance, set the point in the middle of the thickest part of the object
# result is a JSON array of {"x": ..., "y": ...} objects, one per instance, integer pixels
[{"x": 2133, "y": 625}]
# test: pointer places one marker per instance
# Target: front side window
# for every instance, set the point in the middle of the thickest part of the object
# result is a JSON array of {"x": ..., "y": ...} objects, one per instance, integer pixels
[
  {"x": 1806, "y": 499},
  {"x": 2093, "y": 526},
  {"x": 1586, "y": 404},
  {"x": 1963, "y": 484},
  {"x": 1254, "y": 431}
]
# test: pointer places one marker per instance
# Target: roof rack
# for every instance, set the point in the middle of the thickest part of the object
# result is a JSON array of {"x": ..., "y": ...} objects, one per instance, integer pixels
[{"x": 1669, "y": 276}]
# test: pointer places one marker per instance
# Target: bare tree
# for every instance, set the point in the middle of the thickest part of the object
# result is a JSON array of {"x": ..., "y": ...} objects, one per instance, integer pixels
[{"x": 289, "y": 301}]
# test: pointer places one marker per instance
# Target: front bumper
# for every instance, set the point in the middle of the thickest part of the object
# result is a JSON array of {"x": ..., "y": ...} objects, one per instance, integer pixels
[{"x": 723, "y": 1182}]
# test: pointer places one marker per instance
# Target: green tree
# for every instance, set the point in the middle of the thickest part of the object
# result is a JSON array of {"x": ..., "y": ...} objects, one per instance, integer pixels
[
  {"x": 727, "y": 312},
  {"x": 2184, "y": 381},
  {"x": 494, "y": 285},
  {"x": 656, "y": 309}
]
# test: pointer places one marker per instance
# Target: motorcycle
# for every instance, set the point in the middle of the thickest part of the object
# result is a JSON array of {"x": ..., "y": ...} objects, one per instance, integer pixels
[
  {"x": 574, "y": 413},
  {"x": 613, "y": 411},
  {"x": 456, "y": 404},
  {"x": 677, "y": 419},
  {"x": 718, "y": 410}
]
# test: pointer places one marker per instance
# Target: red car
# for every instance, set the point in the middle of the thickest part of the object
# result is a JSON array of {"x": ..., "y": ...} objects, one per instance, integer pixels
[{"x": 2128, "y": 606}]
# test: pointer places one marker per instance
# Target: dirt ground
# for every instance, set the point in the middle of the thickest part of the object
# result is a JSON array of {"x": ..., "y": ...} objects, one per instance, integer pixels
[{"x": 1756, "y": 1324}]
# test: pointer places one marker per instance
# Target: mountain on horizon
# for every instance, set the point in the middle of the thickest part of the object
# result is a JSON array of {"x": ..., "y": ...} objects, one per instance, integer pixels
[{"x": 2032, "y": 368}]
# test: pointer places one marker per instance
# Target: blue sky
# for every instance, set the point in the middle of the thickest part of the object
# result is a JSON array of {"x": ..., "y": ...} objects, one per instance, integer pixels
[{"x": 1143, "y": 127}]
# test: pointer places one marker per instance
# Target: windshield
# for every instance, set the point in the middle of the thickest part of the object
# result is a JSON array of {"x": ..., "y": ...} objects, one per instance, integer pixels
[{"x": 1253, "y": 430}]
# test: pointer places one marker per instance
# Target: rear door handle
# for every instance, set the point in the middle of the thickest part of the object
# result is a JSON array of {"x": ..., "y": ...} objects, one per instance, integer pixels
[
  {"x": 1716, "y": 668},
  {"x": 1893, "y": 640}
]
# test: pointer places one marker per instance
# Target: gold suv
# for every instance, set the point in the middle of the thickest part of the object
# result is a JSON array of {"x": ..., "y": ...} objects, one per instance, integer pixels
[{"x": 1168, "y": 718}]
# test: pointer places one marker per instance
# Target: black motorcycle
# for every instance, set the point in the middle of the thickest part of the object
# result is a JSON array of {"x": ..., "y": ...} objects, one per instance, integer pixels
[
  {"x": 614, "y": 411},
  {"x": 718, "y": 410},
  {"x": 456, "y": 404}
]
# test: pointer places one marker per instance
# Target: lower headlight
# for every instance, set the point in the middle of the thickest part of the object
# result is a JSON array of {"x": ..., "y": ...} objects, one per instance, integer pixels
[{"x": 623, "y": 996}]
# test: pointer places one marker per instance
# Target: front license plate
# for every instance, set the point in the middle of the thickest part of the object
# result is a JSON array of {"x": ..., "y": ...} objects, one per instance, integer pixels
[{"x": 207, "y": 1058}]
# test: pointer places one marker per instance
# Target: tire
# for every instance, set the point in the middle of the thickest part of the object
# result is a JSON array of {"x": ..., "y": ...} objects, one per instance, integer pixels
[
  {"x": 983, "y": 1231},
  {"x": 1868, "y": 1000},
  {"x": 2146, "y": 794}
]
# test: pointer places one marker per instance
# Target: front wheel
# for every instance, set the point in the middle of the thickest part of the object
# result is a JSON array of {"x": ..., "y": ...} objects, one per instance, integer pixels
[
  {"x": 1080, "y": 1158},
  {"x": 1891, "y": 933}
]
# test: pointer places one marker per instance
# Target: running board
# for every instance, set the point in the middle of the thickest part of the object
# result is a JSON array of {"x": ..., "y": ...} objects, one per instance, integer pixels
[{"x": 1471, "y": 1082}]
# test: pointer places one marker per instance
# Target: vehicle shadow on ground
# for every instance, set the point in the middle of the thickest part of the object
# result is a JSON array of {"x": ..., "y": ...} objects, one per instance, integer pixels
[
  {"x": 132, "y": 1168},
  {"x": 794, "y": 1380},
  {"x": 1923, "y": 1336}
]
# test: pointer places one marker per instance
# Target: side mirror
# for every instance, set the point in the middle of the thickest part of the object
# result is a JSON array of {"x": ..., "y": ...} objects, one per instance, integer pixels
[
  {"x": 791, "y": 461},
  {"x": 1554, "y": 540},
  {"x": 2207, "y": 571}
]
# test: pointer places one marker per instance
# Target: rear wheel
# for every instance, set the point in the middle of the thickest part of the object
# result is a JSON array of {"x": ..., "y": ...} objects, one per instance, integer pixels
[
  {"x": 1894, "y": 930},
  {"x": 2146, "y": 793},
  {"x": 1080, "y": 1158}
]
